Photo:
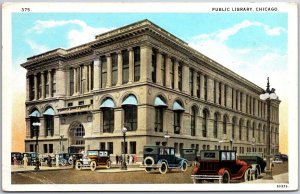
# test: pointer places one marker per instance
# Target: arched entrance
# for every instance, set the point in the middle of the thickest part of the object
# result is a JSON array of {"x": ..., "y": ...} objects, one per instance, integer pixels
[{"x": 76, "y": 134}]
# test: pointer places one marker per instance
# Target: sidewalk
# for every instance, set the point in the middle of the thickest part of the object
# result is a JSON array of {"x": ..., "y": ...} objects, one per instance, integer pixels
[{"x": 280, "y": 178}]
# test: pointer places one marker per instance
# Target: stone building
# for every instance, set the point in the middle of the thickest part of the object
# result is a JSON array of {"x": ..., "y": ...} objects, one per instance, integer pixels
[{"x": 144, "y": 78}]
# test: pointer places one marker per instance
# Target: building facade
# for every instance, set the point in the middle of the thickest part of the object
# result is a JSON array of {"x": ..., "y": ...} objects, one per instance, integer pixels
[{"x": 145, "y": 79}]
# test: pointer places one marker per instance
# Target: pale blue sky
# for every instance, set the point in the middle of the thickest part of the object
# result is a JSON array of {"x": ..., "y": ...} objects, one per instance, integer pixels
[{"x": 253, "y": 45}]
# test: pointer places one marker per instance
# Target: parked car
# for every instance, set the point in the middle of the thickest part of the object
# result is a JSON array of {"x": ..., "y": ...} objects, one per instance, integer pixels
[
  {"x": 31, "y": 156},
  {"x": 94, "y": 159},
  {"x": 190, "y": 154},
  {"x": 74, "y": 157},
  {"x": 162, "y": 158},
  {"x": 221, "y": 165},
  {"x": 18, "y": 156},
  {"x": 282, "y": 157},
  {"x": 258, "y": 164}
]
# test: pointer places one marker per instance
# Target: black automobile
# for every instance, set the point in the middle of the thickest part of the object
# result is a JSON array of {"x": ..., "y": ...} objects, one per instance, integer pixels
[
  {"x": 162, "y": 158},
  {"x": 282, "y": 157},
  {"x": 258, "y": 164}
]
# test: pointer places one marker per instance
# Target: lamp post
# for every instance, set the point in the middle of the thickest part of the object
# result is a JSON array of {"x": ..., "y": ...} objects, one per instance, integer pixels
[
  {"x": 36, "y": 126},
  {"x": 60, "y": 143},
  {"x": 167, "y": 136},
  {"x": 268, "y": 96},
  {"x": 124, "y": 166}
]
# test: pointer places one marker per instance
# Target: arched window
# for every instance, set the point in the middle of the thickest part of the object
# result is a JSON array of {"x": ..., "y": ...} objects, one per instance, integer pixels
[
  {"x": 130, "y": 113},
  {"x": 233, "y": 127},
  {"x": 193, "y": 121},
  {"x": 107, "y": 108},
  {"x": 204, "y": 123},
  {"x": 49, "y": 121},
  {"x": 34, "y": 118},
  {"x": 240, "y": 129},
  {"x": 216, "y": 122},
  {"x": 248, "y": 130},
  {"x": 177, "y": 109},
  {"x": 224, "y": 124},
  {"x": 77, "y": 133},
  {"x": 160, "y": 105}
]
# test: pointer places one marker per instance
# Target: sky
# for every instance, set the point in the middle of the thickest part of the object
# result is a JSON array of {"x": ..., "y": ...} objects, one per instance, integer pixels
[{"x": 254, "y": 45}]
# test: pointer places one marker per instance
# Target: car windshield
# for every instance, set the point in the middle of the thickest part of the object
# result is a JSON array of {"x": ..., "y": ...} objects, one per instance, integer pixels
[{"x": 92, "y": 153}]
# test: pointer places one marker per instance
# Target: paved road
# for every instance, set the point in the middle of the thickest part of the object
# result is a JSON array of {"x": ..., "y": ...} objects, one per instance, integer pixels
[{"x": 71, "y": 176}]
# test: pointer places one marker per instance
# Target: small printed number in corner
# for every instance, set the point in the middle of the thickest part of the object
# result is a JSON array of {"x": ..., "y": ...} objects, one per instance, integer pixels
[
  {"x": 25, "y": 9},
  {"x": 282, "y": 186}
]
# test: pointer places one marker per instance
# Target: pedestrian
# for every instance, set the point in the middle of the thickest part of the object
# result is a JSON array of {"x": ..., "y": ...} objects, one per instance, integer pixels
[
  {"x": 130, "y": 159},
  {"x": 49, "y": 161},
  {"x": 117, "y": 159},
  {"x": 127, "y": 159},
  {"x": 25, "y": 161},
  {"x": 15, "y": 160},
  {"x": 134, "y": 158}
]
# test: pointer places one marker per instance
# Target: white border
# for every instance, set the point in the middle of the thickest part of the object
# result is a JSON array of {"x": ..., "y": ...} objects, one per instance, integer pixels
[{"x": 145, "y": 7}]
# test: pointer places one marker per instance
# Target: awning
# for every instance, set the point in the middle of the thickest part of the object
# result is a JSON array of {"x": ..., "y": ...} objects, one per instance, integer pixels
[
  {"x": 108, "y": 103},
  {"x": 49, "y": 111},
  {"x": 35, "y": 114},
  {"x": 130, "y": 100},
  {"x": 159, "y": 102},
  {"x": 177, "y": 106}
]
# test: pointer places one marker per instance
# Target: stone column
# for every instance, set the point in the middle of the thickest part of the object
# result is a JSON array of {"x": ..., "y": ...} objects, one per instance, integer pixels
[
  {"x": 43, "y": 85},
  {"x": 84, "y": 78},
  {"x": 202, "y": 86},
  {"x": 244, "y": 102},
  {"x": 217, "y": 91},
  {"x": 50, "y": 83},
  {"x": 176, "y": 65},
  {"x": 96, "y": 73},
  {"x": 168, "y": 66},
  {"x": 195, "y": 83},
  {"x": 27, "y": 88},
  {"x": 210, "y": 89},
  {"x": 109, "y": 71},
  {"x": 233, "y": 99},
  {"x": 75, "y": 81},
  {"x": 229, "y": 96},
  {"x": 131, "y": 66},
  {"x": 90, "y": 78},
  {"x": 146, "y": 57},
  {"x": 158, "y": 68},
  {"x": 35, "y": 87},
  {"x": 120, "y": 68},
  {"x": 61, "y": 83},
  {"x": 185, "y": 78}
]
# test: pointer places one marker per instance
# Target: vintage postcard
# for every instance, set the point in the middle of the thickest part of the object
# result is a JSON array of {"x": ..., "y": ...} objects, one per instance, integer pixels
[{"x": 127, "y": 96}]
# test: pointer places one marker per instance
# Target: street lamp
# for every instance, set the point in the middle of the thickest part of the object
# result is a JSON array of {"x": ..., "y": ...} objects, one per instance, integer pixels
[
  {"x": 60, "y": 142},
  {"x": 124, "y": 166},
  {"x": 36, "y": 126},
  {"x": 268, "y": 96},
  {"x": 167, "y": 136}
]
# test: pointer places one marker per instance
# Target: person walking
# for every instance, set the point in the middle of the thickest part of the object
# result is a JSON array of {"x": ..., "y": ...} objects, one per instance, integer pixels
[
  {"x": 134, "y": 158},
  {"x": 15, "y": 160},
  {"x": 117, "y": 159},
  {"x": 49, "y": 161},
  {"x": 25, "y": 161},
  {"x": 130, "y": 159}
]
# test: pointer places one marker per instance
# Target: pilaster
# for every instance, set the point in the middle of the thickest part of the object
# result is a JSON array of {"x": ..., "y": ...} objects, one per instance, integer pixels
[
  {"x": 120, "y": 68},
  {"x": 146, "y": 57},
  {"x": 109, "y": 71},
  {"x": 158, "y": 68},
  {"x": 176, "y": 65},
  {"x": 185, "y": 78},
  {"x": 131, "y": 66}
]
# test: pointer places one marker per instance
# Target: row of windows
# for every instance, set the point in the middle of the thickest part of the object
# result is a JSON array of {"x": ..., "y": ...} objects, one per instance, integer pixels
[
  {"x": 43, "y": 81},
  {"x": 47, "y": 148}
]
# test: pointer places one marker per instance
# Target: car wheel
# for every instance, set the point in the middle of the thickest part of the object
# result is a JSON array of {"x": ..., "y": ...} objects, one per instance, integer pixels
[
  {"x": 70, "y": 160},
  {"x": 247, "y": 175},
  {"x": 148, "y": 161},
  {"x": 78, "y": 165},
  {"x": 256, "y": 173},
  {"x": 93, "y": 165},
  {"x": 226, "y": 177},
  {"x": 164, "y": 168},
  {"x": 184, "y": 167},
  {"x": 147, "y": 170},
  {"x": 108, "y": 164}
]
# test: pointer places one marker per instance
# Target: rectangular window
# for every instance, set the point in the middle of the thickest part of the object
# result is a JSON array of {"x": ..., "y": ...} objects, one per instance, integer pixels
[
  {"x": 114, "y": 60},
  {"x": 39, "y": 83},
  {"x": 45, "y": 148},
  {"x": 103, "y": 71},
  {"x": 198, "y": 85},
  {"x": 81, "y": 103},
  {"x": 130, "y": 117},
  {"x": 71, "y": 81},
  {"x": 158, "y": 125},
  {"x": 176, "y": 148},
  {"x": 125, "y": 72},
  {"x": 197, "y": 148},
  {"x": 241, "y": 101},
  {"x": 137, "y": 63},
  {"x": 180, "y": 147},
  {"x": 180, "y": 77},
  {"x": 154, "y": 64},
  {"x": 102, "y": 146},
  {"x": 220, "y": 93},
  {"x": 177, "y": 126},
  {"x": 70, "y": 104},
  {"x": 191, "y": 82},
  {"x": 81, "y": 80},
  {"x": 132, "y": 147},
  {"x": 237, "y": 100},
  {"x": 157, "y": 143},
  {"x": 246, "y": 103},
  {"x": 215, "y": 91},
  {"x": 225, "y": 95},
  {"x": 50, "y": 148},
  {"x": 49, "y": 125},
  {"x": 172, "y": 73},
  {"x": 31, "y": 87},
  {"x": 92, "y": 75},
  {"x": 163, "y": 70},
  {"x": 250, "y": 105},
  {"x": 31, "y": 148},
  {"x": 205, "y": 87},
  {"x": 253, "y": 106},
  {"x": 108, "y": 120},
  {"x": 53, "y": 82},
  {"x": 110, "y": 147}
]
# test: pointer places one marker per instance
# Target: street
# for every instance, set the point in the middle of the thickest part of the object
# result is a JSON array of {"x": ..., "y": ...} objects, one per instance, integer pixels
[{"x": 101, "y": 176}]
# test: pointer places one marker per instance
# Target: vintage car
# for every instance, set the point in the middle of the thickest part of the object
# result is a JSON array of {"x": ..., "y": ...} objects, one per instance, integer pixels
[
  {"x": 94, "y": 159},
  {"x": 282, "y": 157},
  {"x": 162, "y": 158},
  {"x": 258, "y": 164},
  {"x": 220, "y": 165},
  {"x": 190, "y": 154}
]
